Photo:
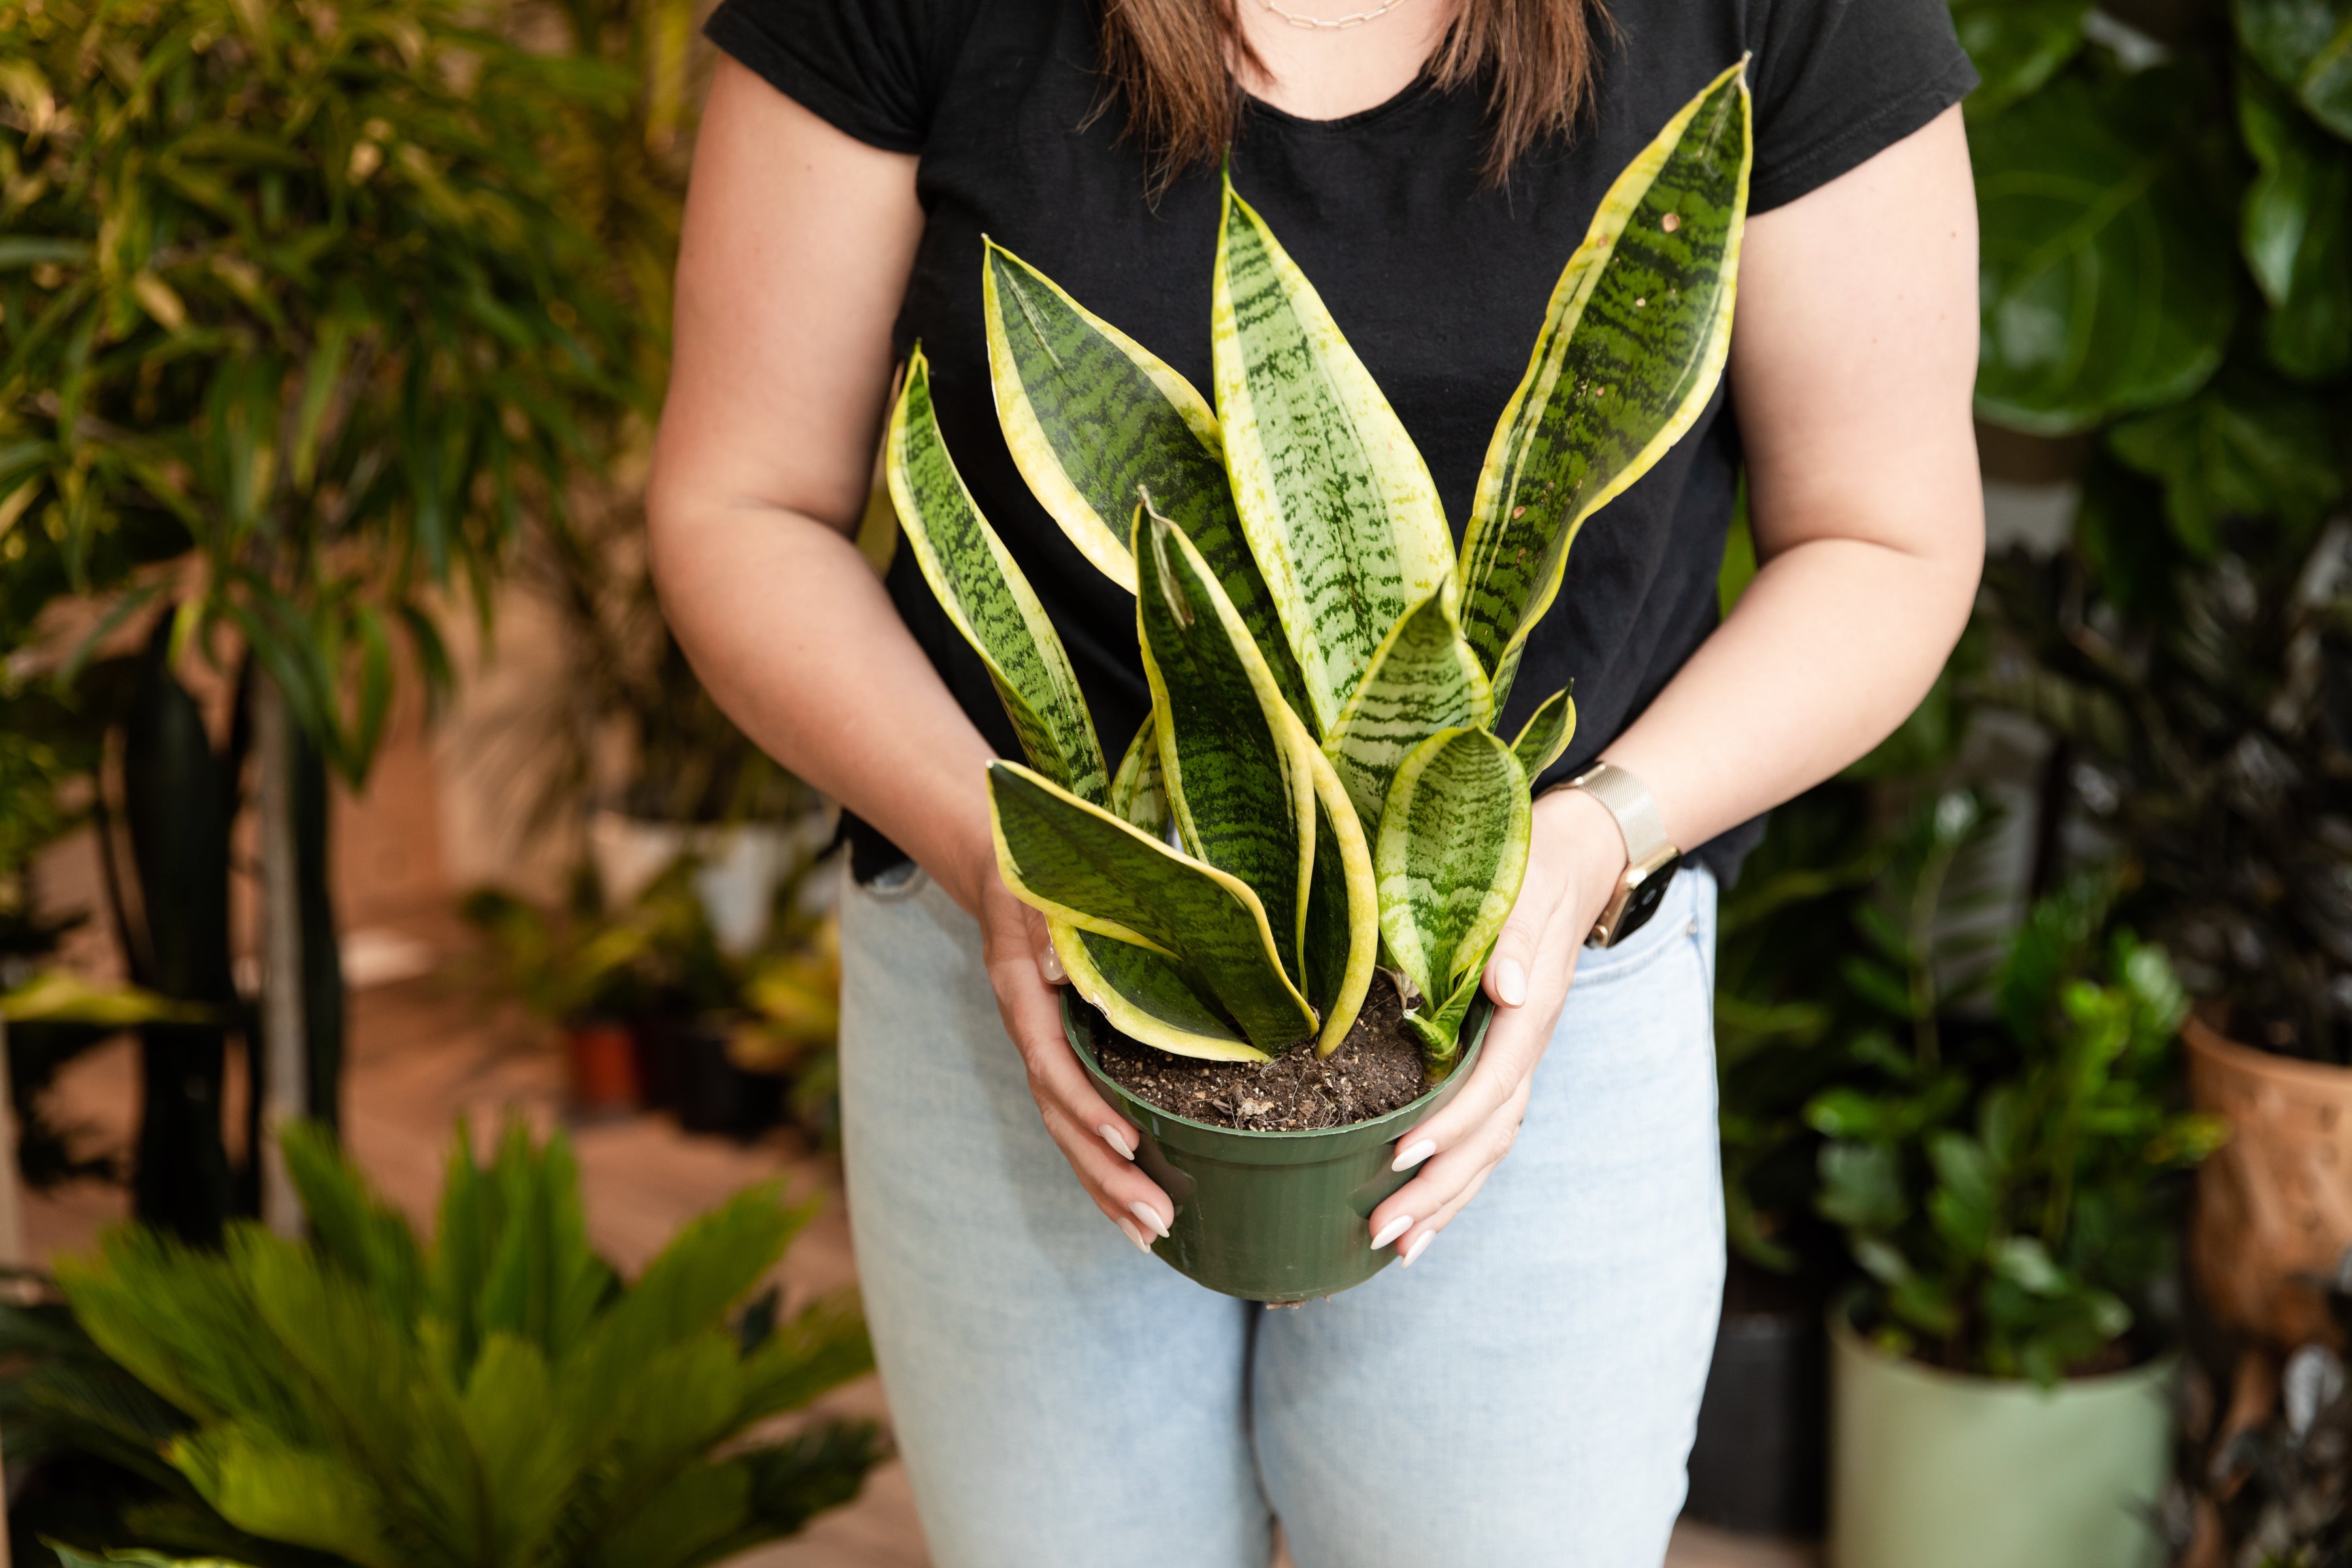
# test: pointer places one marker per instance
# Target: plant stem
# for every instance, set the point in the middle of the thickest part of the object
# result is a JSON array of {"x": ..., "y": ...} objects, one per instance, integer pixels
[
  {"x": 284, "y": 1081},
  {"x": 1926, "y": 1048}
]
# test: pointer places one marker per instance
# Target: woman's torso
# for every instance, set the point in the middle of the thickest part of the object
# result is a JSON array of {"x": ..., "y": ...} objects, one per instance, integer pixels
[{"x": 1437, "y": 276}]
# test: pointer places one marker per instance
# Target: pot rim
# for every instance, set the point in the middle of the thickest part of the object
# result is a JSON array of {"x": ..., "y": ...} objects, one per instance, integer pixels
[
  {"x": 2204, "y": 1041},
  {"x": 1482, "y": 1012},
  {"x": 2157, "y": 1368}
]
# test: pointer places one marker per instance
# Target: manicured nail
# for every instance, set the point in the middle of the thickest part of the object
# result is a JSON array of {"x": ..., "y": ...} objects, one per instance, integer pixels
[
  {"x": 1049, "y": 964},
  {"x": 1135, "y": 1233},
  {"x": 1408, "y": 1158},
  {"x": 1144, "y": 1212},
  {"x": 1420, "y": 1245},
  {"x": 1110, "y": 1136},
  {"x": 1391, "y": 1230},
  {"x": 1511, "y": 983}
]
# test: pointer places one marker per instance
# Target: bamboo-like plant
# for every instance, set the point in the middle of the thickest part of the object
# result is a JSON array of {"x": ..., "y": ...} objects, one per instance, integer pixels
[{"x": 1318, "y": 789}]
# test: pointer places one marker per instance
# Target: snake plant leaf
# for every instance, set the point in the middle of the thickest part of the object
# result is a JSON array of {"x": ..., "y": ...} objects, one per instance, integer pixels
[
  {"x": 1452, "y": 847},
  {"x": 1139, "y": 795},
  {"x": 1439, "y": 1029},
  {"x": 1336, "y": 503},
  {"x": 1631, "y": 349},
  {"x": 1233, "y": 756},
  {"x": 1546, "y": 734},
  {"x": 1148, "y": 996},
  {"x": 1343, "y": 910},
  {"x": 982, "y": 591},
  {"x": 1074, "y": 862},
  {"x": 1424, "y": 679}
]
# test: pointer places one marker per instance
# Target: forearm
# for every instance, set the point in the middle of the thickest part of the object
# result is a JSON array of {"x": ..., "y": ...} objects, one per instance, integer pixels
[
  {"x": 791, "y": 633},
  {"x": 1831, "y": 648}
]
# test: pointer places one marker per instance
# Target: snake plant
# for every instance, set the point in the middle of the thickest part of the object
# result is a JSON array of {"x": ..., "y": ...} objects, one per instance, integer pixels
[{"x": 1318, "y": 790}]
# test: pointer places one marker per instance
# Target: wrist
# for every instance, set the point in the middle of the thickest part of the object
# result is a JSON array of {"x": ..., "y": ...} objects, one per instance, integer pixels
[{"x": 1588, "y": 837}]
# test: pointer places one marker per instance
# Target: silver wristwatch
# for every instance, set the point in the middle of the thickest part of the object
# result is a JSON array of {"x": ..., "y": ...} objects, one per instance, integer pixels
[{"x": 1650, "y": 858}]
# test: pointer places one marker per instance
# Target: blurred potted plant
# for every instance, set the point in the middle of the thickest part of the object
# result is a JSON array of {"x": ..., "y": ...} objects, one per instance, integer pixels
[
  {"x": 363, "y": 1399},
  {"x": 578, "y": 973},
  {"x": 2192, "y": 652},
  {"x": 2004, "y": 1185},
  {"x": 299, "y": 290}
]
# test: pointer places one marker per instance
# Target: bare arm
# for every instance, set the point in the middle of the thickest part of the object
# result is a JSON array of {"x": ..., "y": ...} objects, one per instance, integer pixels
[
  {"x": 797, "y": 247},
  {"x": 1852, "y": 358}
]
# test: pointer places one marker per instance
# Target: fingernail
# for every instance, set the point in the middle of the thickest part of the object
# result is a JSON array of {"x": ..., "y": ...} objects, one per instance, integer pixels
[
  {"x": 1407, "y": 1159},
  {"x": 1420, "y": 1245},
  {"x": 1049, "y": 964},
  {"x": 1110, "y": 1136},
  {"x": 1511, "y": 983},
  {"x": 1391, "y": 1230},
  {"x": 1135, "y": 1233},
  {"x": 1145, "y": 1213}
]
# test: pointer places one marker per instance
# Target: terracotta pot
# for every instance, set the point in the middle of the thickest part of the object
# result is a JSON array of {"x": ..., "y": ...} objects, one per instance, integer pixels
[
  {"x": 2274, "y": 1203},
  {"x": 602, "y": 1059}
]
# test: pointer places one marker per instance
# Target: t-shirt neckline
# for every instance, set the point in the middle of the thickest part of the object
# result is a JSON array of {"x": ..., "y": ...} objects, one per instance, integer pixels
[{"x": 1412, "y": 93}]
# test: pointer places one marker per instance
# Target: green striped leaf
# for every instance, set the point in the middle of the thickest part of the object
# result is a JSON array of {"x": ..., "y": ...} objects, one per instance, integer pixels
[
  {"x": 1139, "y": 795},
  {"x": 1452, "y": 847},
  {"x": 1146, "y": 996},
  {"x": 1233, "y": 756},
  {"x": 1343, "y": 910},
  {"x": 983, "y": 592},
  {"x": 1076, "y": 863},
  {"x": 1424, "y": 679},
  {"x": 1546, "y": 734},
  {"x": 1338, "y": 505},
  {"x": 1097, "y": 422},
  {"x": 1631, "y": 349}
]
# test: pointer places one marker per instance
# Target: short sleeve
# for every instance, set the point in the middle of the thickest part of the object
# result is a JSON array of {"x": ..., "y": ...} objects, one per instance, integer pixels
[
  {"x": 871, "y": 67},
  {"x": 1838, "y": 81}
]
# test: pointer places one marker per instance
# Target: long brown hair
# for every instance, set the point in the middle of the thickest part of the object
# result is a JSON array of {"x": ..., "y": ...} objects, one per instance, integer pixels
[{"x": 1171, "y": 62}]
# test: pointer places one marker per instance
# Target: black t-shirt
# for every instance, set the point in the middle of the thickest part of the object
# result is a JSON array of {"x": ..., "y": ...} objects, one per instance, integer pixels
[{"x": 1438, "y": 277}]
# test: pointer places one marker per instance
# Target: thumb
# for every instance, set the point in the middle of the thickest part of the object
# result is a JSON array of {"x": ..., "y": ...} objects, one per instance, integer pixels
[
  {"x": 1514, "y": 958},
  {"x": 1040, "y": 943}
]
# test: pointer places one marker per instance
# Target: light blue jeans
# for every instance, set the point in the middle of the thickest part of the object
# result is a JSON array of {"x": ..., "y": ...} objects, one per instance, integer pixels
[{"x": 1523, "y": 1396}]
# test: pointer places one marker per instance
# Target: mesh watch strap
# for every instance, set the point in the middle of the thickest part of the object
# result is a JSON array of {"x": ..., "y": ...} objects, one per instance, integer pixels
[{"x": 1630, "y": 802}]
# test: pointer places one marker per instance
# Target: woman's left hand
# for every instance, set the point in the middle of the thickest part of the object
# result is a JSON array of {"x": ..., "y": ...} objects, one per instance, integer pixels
[{"x": 1574, "y": 862}]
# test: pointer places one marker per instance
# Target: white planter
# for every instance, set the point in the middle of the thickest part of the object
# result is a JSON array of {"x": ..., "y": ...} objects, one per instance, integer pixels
[{"x": 1932, "y": 1469}]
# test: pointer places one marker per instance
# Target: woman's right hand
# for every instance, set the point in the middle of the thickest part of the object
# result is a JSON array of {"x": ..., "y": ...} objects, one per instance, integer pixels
[{"x": 1099, "y": 1142}]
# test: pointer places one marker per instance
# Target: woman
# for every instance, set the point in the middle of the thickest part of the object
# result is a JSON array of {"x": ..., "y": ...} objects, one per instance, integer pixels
[{"x": 1524, "y": 1395}]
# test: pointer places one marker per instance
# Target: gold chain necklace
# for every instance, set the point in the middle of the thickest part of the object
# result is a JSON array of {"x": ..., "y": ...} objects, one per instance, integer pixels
[{"x": 1319, "y": 25}]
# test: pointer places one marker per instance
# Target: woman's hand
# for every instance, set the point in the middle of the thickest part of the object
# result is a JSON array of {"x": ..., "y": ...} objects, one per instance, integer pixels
[
  {"x": 1099, "y": 1142},
  {"x": 1574, "y": 865}
]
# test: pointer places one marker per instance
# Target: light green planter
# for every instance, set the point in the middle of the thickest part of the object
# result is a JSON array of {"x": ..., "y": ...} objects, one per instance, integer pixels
[{"x": 1932, "y": 1469}]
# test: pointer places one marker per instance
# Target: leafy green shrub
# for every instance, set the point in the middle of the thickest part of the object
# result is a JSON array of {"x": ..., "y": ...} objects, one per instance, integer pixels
[
  {"x": 501, "y": 1397},
  {"x": 2005, "y": 1184}
]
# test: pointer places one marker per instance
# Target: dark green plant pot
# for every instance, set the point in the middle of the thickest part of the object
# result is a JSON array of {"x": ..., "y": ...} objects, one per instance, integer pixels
[{"x": 1272, "y": 1216}]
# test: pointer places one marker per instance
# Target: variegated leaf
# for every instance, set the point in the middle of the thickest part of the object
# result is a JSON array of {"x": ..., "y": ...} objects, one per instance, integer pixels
[
  {"x": 1546, "y": 734},
  {"x": 982, "y": 591},
  {"x": 1424, "y": 679},
  {"x": 1233, "y": 756},
  {"x": 1146, "y": 996},
  {"x": 1076, "y": 863},
  {"x": 1343, "y": 910},
  {"x": 1630, "y": 353},
  {"x": 1452, "y": 847},
  {"x": 1096, "y": 422},
  {"x": 1138, "y": 796},
  {"x": 1338, "y": 505}
]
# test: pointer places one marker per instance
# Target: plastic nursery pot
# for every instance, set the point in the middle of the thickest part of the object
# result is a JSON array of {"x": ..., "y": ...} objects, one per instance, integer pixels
[
  {"x": 2274, "y": 1203},
  {"x": 1272, "y": 1216},
  {"x": 1759, "y": 1461},
  {"x": 1934, "y": 1469}
]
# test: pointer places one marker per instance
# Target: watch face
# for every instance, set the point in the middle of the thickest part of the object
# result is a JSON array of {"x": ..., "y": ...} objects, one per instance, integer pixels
[{"x": 1643, "y": 900}]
